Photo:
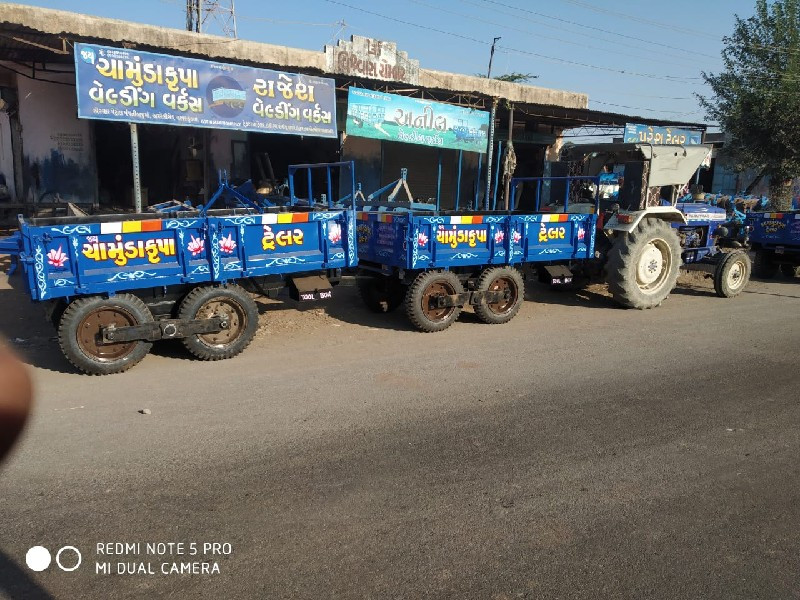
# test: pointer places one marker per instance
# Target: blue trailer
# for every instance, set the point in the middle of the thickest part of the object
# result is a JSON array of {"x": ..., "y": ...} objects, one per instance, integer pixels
[
  {"x": 115, "y": 284},
  {"x": 775, "y": 238},
  {"x": 438, "y": 261}
]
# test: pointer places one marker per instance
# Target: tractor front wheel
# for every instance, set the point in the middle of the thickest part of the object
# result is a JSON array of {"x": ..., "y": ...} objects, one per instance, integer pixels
[{"x": 732, "y": 274}]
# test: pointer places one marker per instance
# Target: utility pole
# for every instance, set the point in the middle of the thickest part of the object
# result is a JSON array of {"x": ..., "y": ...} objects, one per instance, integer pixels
[
  {"x": 193, "y": 15},
  {"x": 491, "y": 56},
  {"x": 202, "y": 16}
]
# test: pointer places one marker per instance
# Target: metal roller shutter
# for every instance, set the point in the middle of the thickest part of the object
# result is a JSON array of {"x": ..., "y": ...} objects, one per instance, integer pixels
[{"x": 422, "y": 163}]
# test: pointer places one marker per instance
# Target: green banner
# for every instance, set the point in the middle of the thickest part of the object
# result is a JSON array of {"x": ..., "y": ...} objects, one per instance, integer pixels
[{"x": 402, "y": 119}]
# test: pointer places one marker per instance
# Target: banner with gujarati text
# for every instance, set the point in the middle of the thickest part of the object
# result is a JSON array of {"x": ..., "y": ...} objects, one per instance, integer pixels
[
  {"x": 119, "y": 84},
  {"x": 648, "y": 134},
  {"x": 413, "y": 121}
]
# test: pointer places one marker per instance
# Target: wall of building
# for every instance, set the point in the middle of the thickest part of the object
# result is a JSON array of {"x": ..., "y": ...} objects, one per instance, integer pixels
[
  {"x": 7, "y": 155},
  {"x": 57, "y": 147}
]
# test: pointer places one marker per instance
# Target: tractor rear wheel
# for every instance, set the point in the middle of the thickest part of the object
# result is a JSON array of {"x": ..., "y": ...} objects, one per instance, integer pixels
[
  {"x": 643, "y": 265},
  {"x": 790, "y": 270},
  {"x": 422, "y": 305},
  {"x": 235, "y": 306},
  {"x": 763, "y": 266},
  {"x": 732, "y": 274},
  {"x": 500, "y": 279},
  {"x": 80, "y": 333}
]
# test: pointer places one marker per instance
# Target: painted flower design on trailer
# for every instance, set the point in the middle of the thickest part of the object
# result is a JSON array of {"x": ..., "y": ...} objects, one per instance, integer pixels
[
  {"x": 57, "y": 257},
  {"x": 196, "y": 246},
  {"x": 422, "y": 239},
  {"x": 227, "y": 244},
  {"x": 335, "y": 233},
  {"x": 516, "y": 237},
  {"x": 499, "y": 236}
]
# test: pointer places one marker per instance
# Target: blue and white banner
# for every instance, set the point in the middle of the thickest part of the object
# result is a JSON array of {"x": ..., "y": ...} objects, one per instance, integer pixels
[
  {"x": 648, "y": 134},
  {"x": 119, "y": 84}
]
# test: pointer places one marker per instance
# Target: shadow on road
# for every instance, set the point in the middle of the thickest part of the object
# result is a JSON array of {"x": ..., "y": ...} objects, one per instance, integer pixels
[
  {"x": 592, "y": 295},
  {"x": 24, "y": 324},
  {"x": 347, "y": 306}
]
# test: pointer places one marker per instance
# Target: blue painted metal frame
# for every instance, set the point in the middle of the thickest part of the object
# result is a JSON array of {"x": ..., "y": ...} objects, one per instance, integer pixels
[
  {"x": 71, "y": 257},
  {"x": 12, "y": 246},
  {"x": 419, "y": 240}
]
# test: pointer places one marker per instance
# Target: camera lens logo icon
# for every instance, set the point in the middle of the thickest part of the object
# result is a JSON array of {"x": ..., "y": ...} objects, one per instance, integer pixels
[{"x": 38, "y": 558}]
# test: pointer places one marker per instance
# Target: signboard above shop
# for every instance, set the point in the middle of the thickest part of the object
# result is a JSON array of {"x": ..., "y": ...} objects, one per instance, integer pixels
[
  {"x": 119, "y": 84},
  {"x": 648, "y": 134},
  {"x": 402, "y": 119},
  {"x": 374, "y": 59}
]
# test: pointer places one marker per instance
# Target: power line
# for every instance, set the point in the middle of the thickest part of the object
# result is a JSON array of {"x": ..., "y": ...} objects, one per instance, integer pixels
[
  {"x": 528, "y": 31},
  {"x": 517, "y": 50},
  {"x": 694, "y": 53},
  {"x": 636, "y": 47},
  {"x": 674, "y": 112},
  {"x": 651, "y": 22}
]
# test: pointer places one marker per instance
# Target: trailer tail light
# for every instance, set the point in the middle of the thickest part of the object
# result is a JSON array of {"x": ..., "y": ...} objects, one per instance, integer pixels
[{"x": 624, "y": 219}]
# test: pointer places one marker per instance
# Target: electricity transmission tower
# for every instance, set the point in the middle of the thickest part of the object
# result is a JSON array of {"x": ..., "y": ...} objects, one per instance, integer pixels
[{"x": 209, "y": 15}]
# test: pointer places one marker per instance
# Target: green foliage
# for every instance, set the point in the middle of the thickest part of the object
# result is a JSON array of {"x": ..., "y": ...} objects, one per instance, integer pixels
[
  {"x": 513, "y": 77},
  {"x": 756, "y": 98}
]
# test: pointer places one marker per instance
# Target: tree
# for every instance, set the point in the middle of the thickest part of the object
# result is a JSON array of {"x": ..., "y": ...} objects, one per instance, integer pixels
[
  {"x": 756, "y": 98},
  {"x": 512, "y": 77}
]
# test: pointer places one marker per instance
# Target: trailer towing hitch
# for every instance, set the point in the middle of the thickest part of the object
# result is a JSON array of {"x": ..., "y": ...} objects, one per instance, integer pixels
[
  {"x": 475, "y": 297},
  {"x": 161, "y": 330}
]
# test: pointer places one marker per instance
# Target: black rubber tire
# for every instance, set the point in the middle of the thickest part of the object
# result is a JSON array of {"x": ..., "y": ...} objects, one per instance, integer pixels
[
  {"x": 495, "y": 278},
  {"x": 381, "y": 294},
  {"x": 732, "y": 274},
  {"x": 418, "y": 300},
  {"x": 790, "y": 271},
  {"x": 235, "y": 303},
  {"x": 763, "y": 266},
  {"x": 82, "y": 315},
  {"x": 624, "y": 261}
]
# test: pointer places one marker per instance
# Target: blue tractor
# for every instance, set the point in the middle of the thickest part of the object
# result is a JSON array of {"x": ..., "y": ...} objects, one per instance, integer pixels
[{"x": 648, "y": 232}]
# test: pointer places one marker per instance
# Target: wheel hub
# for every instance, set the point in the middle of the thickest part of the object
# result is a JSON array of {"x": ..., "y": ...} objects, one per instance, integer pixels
[
  {"x": 90, "y": 338},
  {"x": 233, "y": 320},
  {"x": 736, "y": 275},
  {"x": 654, "y": 266},
  {"x": 429, "y": 301},
  {"x": 505, "y": 285}
]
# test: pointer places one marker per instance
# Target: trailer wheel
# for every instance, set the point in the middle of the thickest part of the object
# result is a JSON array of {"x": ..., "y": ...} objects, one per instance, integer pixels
[
  {"x": 763, "y": 266},
  {"x": 500, "y": 279},
  {"x": 421, "y": 306},
  {"x": 381, "y": 294},
  {"x": 231, "y": 302},
  {"x": 732, "y": 274},
  {"x": 643, "y": 265},
  {"x": 79, "y": 333},
  {"x": 790, "y": 270}
]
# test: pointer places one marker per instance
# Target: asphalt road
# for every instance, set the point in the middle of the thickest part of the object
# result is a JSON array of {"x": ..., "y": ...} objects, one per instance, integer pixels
[{"x": 581, "y": 451}]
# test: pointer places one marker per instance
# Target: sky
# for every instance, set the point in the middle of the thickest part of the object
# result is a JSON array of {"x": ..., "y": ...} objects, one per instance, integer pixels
[{"x": 636, "y": 57}]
